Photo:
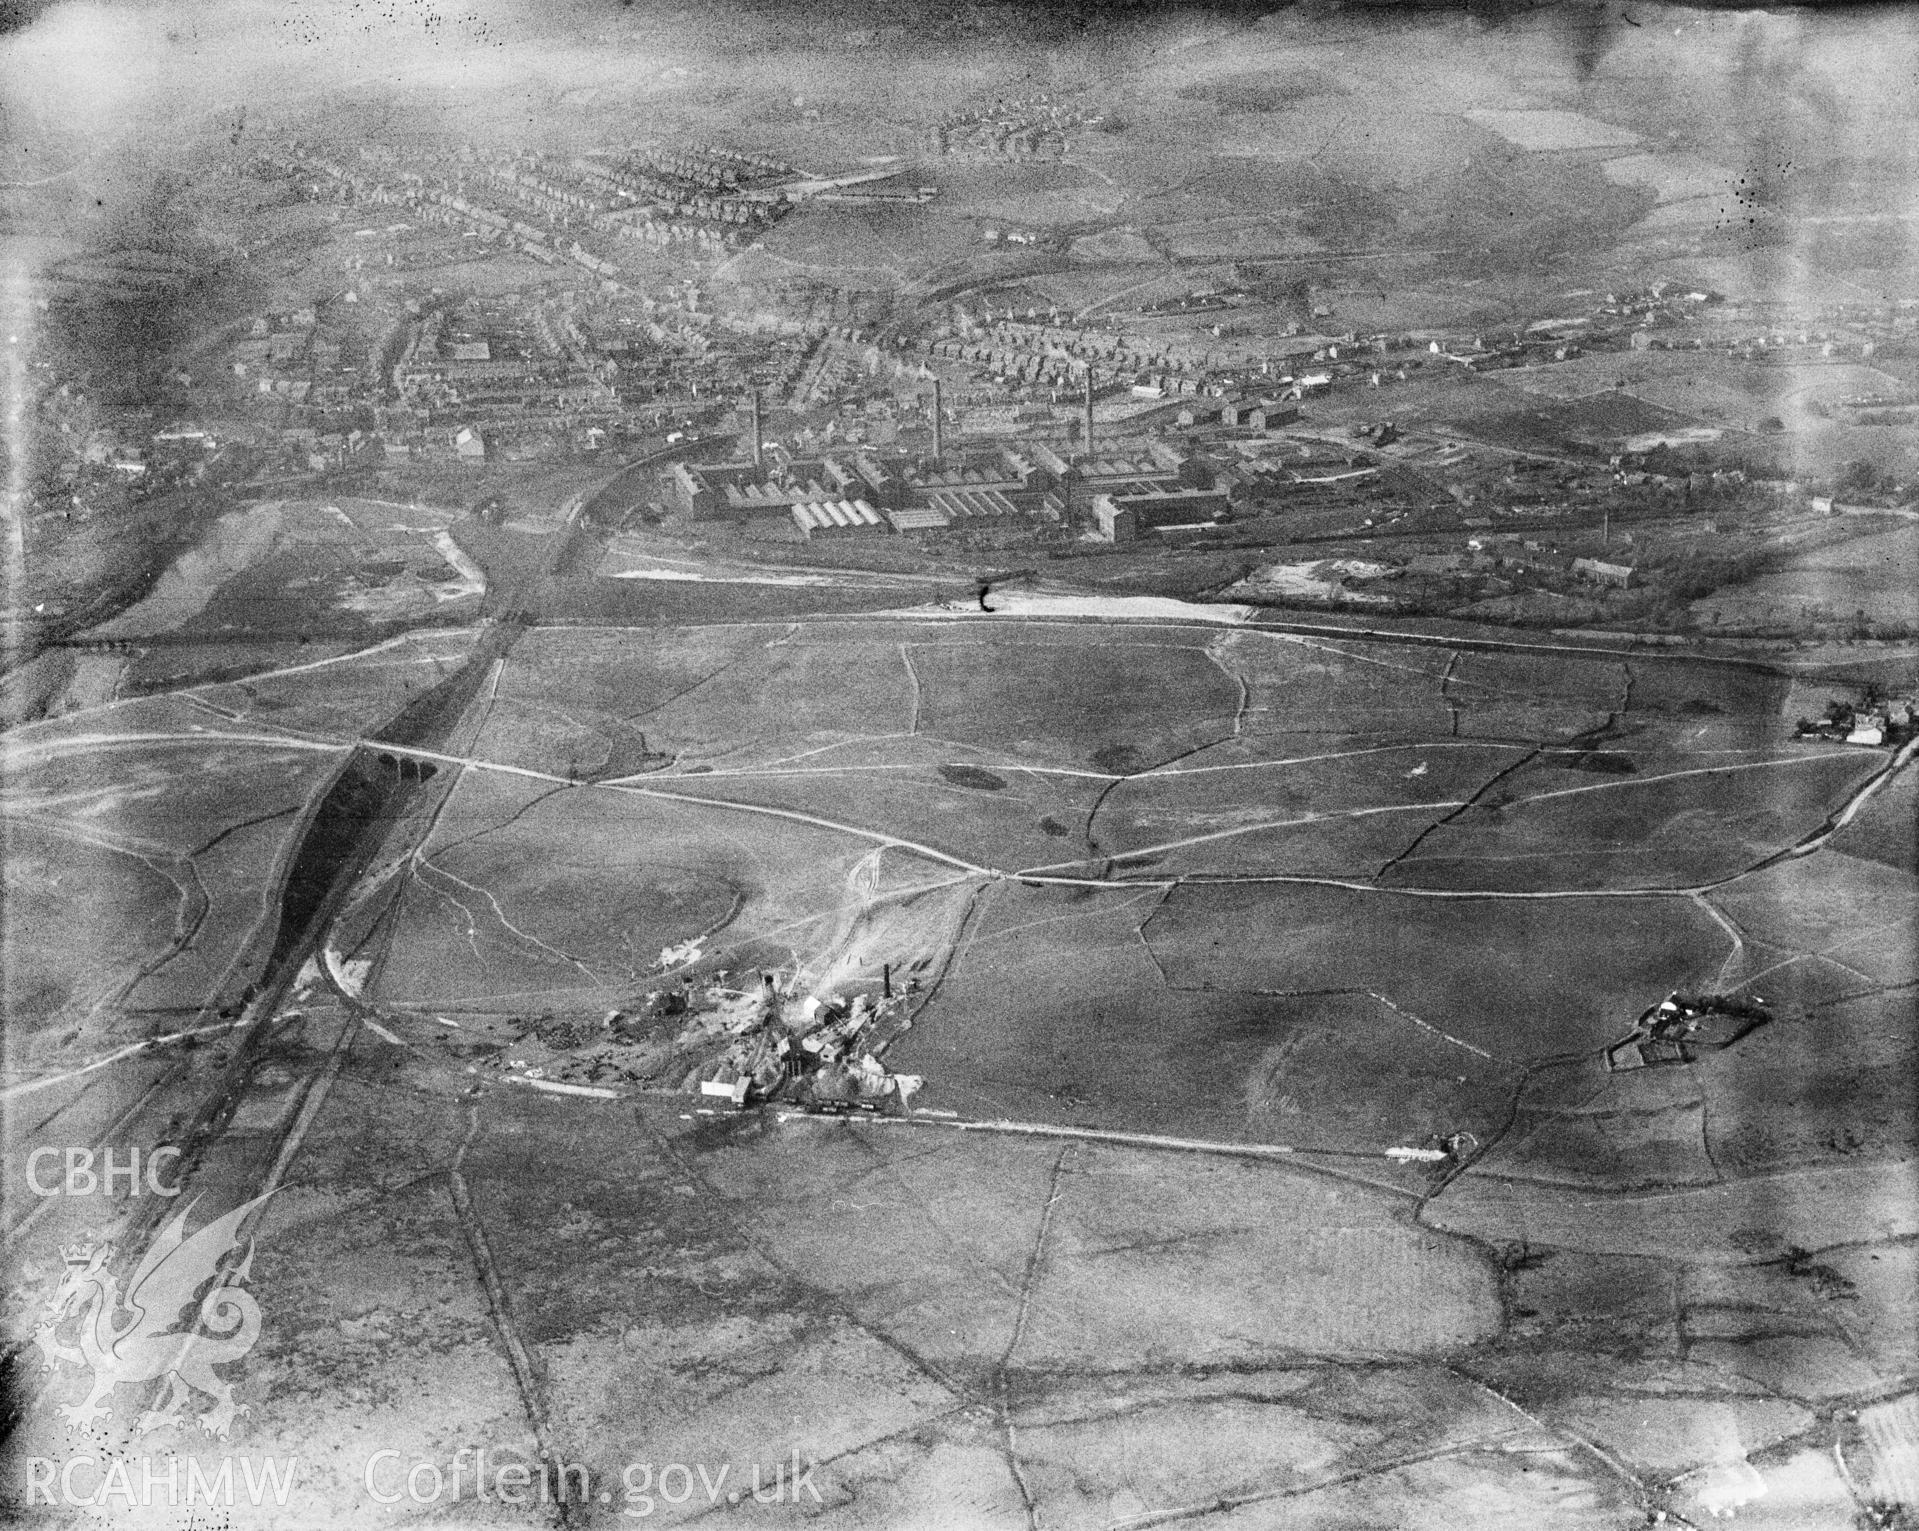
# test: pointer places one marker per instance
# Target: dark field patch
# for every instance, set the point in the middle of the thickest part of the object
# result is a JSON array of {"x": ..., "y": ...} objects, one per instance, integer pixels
[
  {"x": 1701, "y": 690},
  {"x": 1550, "y": 722},
  {"x": 1545, "y": 427},
  {"x": 1262, "y": 91},
  {"x": 1607, "y": 416},
  {"x": 973, "y": 776},
  {"x": 1490, "y": 679},
  {"x": 1602, "y": 763},
  {"x": 167, "y": 666}
]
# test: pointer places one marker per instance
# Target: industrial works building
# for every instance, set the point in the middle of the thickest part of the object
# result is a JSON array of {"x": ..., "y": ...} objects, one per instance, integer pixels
[
  {"x": 838, "y": 518},
  {"x": 748, "y": 491},
  {"x": 1129, "y": 517}
]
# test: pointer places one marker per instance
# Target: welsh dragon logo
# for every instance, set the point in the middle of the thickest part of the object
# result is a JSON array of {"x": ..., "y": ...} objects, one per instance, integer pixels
[{"x": 138, "y": 1335}]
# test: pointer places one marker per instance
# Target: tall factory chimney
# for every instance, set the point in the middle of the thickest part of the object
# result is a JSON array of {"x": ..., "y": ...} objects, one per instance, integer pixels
[
  {"x": 756, "y": 428},
  {"x": 939, "y": 432},
  {"x": 1089, "y": 414}
]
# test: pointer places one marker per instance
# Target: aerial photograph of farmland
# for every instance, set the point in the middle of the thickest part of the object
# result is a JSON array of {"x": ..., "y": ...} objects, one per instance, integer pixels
[{"x": 1009, "y": 765}]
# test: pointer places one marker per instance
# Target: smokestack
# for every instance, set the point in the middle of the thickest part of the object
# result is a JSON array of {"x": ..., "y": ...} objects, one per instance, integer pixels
[
  {"x": 756, "y": 428},
  {"x": 939, "y": 434},
  {"x": 1089, "y": 414}
]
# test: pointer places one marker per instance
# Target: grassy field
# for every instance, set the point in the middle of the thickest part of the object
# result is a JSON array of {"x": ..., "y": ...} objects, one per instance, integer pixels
[
  {"x": 1338, "y": 1021},
  {"x": 1649, "y": 703},
  {"x": 232, "y": 910},
  {"x": 1358, "y": 844},
  {"x": 117, "y": 907},
  {"x": 1052, "y": 1009},
  {"x": 1055, "y": 1010},
  {"x": 528, "y": 895},
  {"x": 1857, "y": 913},
  {"x": 129, "y": 882},
  {"x": 662, "y": 1331},
  {"x": 1488, "y": 681},
  {"x": 727, "y": 697},
  {"x": 1626, "y": 1297},
  {"x": 970, "y": 805},
  {"x": 1312, "y": 1281},
  {"x": 511, "y": 902},
  {"x": 1582, "y": 1126},
  {"x": 1340, "y": 800},
  {"x": 1548, "y": 828},
  {"x": 353, "y": 694},
  {"x": 1728, "y": 1224},
  {"x": 169, "y": 666},
  {"x": 1662, "y": 1436},
  {"x": 1349, "y": 1073},
  {"x": 1323, "y": 1273},
  {"x": 1110, "y": 707},
  {"x": 107, "y": 779},
  {"x": 1297, "y": 685},
  {"x": 1886, "y": 830},
  {"x": 561, "y": 740},
  {"x": 1271, "y": 1435},
  {"x": 310, "y": 566},
  {"x": 1828, "y": 1085},
  {"x": 1874, "y": 579},
  {"x": 1221, "y": 797},
  {"x": 1696, "y": 693},
  {"x": 1518, "y": 979}
]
